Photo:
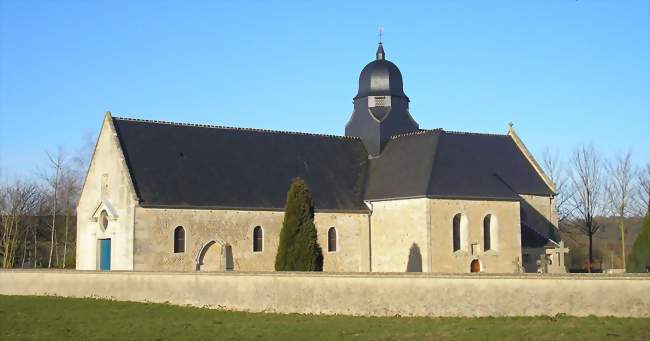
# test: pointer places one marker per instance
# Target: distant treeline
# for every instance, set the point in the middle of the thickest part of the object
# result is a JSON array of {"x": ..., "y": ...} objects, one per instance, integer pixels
[{"x": 607, "y": 244}]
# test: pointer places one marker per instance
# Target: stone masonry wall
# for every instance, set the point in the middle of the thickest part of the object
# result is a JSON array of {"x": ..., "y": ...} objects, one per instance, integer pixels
[
  {"x": 154, "y": 231},
  {"x": 352, "y": 294},
  {"x": 413, "y": 234},
  {"x": 501, "y": 259}
]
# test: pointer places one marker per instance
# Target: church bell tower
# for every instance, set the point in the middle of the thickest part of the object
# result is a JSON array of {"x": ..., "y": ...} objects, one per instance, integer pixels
[{"x": 381, "y": 109}]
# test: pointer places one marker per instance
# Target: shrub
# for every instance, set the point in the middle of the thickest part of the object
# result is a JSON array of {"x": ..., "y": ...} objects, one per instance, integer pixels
[{"x": 298, "y": 249}]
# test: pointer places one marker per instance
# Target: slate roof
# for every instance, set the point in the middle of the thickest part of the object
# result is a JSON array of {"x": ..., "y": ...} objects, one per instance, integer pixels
[
  {"x": 531, "y": 238},
  {"x": 199, "y": 166},
  {"x": 177, "y": 165},
  {"x": 443, "y": 164}
]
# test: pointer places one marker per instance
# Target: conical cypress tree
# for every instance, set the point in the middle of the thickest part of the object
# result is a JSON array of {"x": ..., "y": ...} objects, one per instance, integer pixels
[
  {"x": 640, "y": 257},
  {"x": 298, "y": 249}
]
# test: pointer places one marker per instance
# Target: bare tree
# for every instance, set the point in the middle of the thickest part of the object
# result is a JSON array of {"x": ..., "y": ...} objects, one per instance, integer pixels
[
  {"x": 56, "y": 164},
  {"x": 642, "y": 197},
  {"x": 619, "y": 191},
  {"x": 71, "y": 180},
  {"x": 84, "y": 153},
  {"x": 42, "y": 211},
  {"x": 556, "y": 171},
  {"x": 63, "y": 178},
  {"x": 18, "y": 202},
  {"x": 587, "y": 187},
  {"x": 70, "y": 186},
  {"x": 3, "y": 213}
]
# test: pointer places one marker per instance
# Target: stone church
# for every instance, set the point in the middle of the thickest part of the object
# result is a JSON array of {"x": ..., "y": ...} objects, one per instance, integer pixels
[{"x": 389, "y": 195}]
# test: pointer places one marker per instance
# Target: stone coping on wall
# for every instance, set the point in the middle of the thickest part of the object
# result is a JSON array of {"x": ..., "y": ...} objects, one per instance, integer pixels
[{"x": 582, "y": 276}]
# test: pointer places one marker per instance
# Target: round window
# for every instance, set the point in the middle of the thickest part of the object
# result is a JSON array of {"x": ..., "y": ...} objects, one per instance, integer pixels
[{"x": 103, "y": 220}]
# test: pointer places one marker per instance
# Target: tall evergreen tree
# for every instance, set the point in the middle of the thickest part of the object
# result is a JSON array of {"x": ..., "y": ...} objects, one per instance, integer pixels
[
  {"x": 299, "y": 249},
  {"x": 640, "y": 256}
]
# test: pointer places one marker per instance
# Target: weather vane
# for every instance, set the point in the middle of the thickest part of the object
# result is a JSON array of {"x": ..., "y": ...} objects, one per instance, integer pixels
[{"x": 381, "y": 33}]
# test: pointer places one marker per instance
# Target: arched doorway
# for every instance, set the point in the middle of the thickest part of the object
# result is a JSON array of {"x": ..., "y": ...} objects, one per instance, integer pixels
[
  {"x": 475, "y": 266},
  {"x": 211, "y": 257}
]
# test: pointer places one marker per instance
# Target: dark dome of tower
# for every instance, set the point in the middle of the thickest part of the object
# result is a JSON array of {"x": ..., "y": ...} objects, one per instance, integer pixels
[{"x": 380, "y": 78}]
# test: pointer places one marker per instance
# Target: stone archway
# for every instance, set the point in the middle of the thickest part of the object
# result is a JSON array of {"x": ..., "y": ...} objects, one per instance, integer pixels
[
  {"x": 475, "y": 266},
  {"x": 210, "y": 257}
]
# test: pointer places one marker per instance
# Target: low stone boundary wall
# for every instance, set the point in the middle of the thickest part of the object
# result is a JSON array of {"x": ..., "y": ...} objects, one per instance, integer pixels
[{"x": 353, "y": 294}]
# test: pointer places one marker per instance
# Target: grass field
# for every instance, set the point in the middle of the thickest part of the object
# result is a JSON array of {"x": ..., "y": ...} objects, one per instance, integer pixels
[{"x": 53, "y": 318}]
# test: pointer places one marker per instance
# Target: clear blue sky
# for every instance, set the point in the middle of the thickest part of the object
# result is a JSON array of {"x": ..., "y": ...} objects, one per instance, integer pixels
[{"x": 565, "y": 72}]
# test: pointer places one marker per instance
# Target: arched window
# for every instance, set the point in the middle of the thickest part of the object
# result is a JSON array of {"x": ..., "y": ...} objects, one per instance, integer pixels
[
  {"x": 331, "y": 240},
  {"x": 459, "y": 232},
  {"x": 487, "y": 233},
  {"x": 490, "y": 233},
  {"x": 258, "y": 239},
  {"x": 103, "y": 220},
  {"x": 179, "y": 240}
]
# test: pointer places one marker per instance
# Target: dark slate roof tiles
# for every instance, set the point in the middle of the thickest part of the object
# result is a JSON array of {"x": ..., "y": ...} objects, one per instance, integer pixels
[
  {"x": 482, "y": 165},
  {"x": 206, "y": 166},
  {"x": 444, "y": 164},
  {"x": 180, "y": 165},
  {"x": 531, "y": 238}
]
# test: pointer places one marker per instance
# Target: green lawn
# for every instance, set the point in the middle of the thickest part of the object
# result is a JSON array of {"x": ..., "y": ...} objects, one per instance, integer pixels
[{"x": 52, "y": 318}]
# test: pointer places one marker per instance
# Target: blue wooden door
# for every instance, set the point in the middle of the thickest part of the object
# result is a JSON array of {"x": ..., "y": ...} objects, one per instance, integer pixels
[{"x": 104, "y": 254}]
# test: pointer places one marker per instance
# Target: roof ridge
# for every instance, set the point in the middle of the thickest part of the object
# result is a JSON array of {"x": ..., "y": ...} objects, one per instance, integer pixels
[
  {"x": 259, "y": 130},
  {"x": 413, "y": 133},
  {"x": 473, "y": 133}
]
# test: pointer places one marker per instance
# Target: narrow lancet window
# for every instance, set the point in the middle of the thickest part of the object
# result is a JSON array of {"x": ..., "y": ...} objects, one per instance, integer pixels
[
  {"x": 179, "y": 240},
  {"x": 487, "y": 233},
  {"x": 258, "y": 239},
  {"x": 331, "y": 240},
  {"x": 456, "y": 232}
]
